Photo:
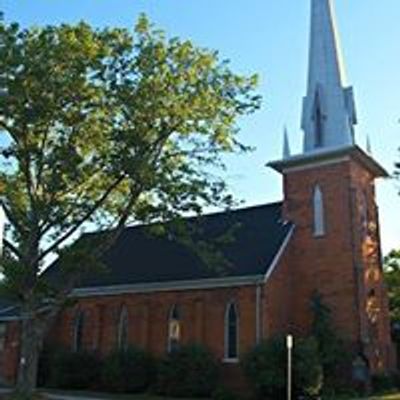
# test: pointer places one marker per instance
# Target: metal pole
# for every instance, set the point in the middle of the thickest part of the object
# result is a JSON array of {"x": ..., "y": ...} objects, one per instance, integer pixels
[{"x": 289, "y": 345}]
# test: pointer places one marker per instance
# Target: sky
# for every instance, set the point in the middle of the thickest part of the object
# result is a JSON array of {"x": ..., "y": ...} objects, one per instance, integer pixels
[{"x": 270, "y": 38}]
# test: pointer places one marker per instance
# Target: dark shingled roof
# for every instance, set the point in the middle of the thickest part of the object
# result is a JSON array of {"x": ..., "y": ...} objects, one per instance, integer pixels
[
  {"x": 139, "y": 257},
  {"x": 8, "y": 310}
]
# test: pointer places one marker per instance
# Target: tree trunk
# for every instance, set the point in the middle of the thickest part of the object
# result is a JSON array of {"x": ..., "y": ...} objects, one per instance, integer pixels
[{"x": 31, "y": 344}]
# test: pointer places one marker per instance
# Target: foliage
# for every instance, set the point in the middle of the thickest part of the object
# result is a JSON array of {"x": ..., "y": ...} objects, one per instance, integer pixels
[
  {"x": 382, "y": 383},
  {"x": 330, "y": 346},
  {"x": 190, "y": 371},
  {"x": 103, "y": 128},
  {"x": 392, "y": 279},
  {"x": 224, "y": 393},
  {"x": 129, "y": 371},
  {"x": 391, "y": 264},
  {"x": 71, "y": 370},
  {"x": 266, "y": 367}
]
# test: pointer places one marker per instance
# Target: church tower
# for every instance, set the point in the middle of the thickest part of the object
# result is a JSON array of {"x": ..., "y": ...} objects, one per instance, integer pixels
[{"x": 329, "y": 194}]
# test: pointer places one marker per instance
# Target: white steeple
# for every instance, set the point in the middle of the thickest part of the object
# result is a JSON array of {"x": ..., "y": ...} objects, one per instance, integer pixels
[{"x": 329, "y": 113}]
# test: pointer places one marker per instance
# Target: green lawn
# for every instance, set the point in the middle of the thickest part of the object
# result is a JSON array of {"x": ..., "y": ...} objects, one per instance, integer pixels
[
  {"x": 153, "y": 397},
  {"x": 386, "y": 397},
  {"x": 107, "y": 396}
]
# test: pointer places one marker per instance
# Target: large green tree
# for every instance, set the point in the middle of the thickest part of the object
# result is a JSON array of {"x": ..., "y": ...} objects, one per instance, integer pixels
[
  {"x": 103, "y": 127},
  {"x": 392, "y": 279}
]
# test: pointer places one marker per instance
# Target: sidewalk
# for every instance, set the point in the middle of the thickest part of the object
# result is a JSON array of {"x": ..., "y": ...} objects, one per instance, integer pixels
[{"x": 56, "y": 396}]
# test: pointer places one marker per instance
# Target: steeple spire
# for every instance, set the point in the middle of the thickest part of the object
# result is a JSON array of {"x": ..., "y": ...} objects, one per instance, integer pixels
[{"x": 329, "y": 112}]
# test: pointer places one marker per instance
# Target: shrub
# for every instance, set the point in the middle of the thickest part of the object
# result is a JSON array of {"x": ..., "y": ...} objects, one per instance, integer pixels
[
  {"x": 223, "y": 393},
  {"x": 129, "y": 371},
  {"x": 266, "y": 368},
  {"x": 45, "y": 365},
  {"x": 191, "y": 371},
  {"x": 333, "y": 355},
  {"x": 382, "y": 383},
  {"x": 307, "y": 367},
  {"x": 70, "y": 370}
]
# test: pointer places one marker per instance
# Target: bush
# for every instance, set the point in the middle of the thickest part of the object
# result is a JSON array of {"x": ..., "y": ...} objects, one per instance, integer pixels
[
  {"x": 382, "y": 383},
  {"x": 45, "y": 365},
  {"x": 130, "y": 371},
  {"x": 266, "y": 368},
  {"x": 223, "y": 393},
  {"x": 70, "y": 370},
  {"x": 191, "y": 371}
]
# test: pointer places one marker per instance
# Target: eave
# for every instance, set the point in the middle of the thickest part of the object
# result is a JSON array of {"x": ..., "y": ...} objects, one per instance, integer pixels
[{"x": 331, "y": 155}]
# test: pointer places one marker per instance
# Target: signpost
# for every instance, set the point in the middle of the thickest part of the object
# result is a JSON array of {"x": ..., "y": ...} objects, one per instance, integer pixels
[{"x": 289, "y": 345}]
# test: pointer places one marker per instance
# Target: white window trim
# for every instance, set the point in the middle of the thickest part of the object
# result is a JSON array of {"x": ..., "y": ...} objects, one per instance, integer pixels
[
  {"x": 123, "y": 319},
  {"x": 231, "y": 360},
  {"x": 226, "y": 358},
  {"x": 318, "y": 212},
  {"x": 77, "y": 322}
]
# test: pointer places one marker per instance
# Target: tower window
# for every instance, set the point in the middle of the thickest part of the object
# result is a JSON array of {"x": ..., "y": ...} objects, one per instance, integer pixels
[
  {"x": 174, "y": 328},
  {"x": 231, "y": 332},
  {"x": 123, "y": 324},
  {"x": 318, "y": 118},
  {"x": 319, "y": 217}
]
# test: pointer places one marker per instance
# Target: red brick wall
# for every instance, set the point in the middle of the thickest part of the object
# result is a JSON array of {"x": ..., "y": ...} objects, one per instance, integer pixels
[
  {"x": 10, "y": 354},
  {"x": 335, "y": 263},
  {"x": 278, "y": 300},
  {"x": 202, "y": 319}
]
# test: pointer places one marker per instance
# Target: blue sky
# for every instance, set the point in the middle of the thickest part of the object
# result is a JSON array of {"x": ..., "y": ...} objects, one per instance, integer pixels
[{"x": 270, "y": 38}]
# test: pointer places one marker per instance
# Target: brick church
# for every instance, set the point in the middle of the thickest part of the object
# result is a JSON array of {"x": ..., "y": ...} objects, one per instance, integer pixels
[{"x": 324, "y": 237}]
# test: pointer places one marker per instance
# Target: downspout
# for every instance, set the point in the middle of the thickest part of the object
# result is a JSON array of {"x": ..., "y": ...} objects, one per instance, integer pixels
[{"x": 258, "y": 312}]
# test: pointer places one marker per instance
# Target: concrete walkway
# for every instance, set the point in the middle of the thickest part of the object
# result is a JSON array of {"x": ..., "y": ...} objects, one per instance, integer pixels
[{"x": 55, "y": 396}]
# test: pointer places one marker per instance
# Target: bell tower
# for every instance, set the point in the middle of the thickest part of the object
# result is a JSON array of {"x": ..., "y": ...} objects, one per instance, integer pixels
[{"x": 329, "y": 195}]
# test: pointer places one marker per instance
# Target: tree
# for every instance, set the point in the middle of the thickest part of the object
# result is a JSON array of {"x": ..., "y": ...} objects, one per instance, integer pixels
[
  {"x": 331, "y": 348},
  {"x": 103, "y": 127},
  {"x": 392, "y": 279}
]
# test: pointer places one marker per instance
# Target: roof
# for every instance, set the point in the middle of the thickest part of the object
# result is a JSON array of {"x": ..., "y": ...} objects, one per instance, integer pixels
[
  {"x": 8, "y": 311},
  {"x": 140, "y": 257}
]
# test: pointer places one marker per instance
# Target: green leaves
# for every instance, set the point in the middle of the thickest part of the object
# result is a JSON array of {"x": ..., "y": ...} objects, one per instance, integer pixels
[
  {"x": 106, "y": 127},
  {"x": 392, "y": 279}
]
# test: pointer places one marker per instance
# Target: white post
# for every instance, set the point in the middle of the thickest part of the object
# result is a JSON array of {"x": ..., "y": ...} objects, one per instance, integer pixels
[
  {"x": 289, "y": 345},
  {"x": 2, "y": 224}
]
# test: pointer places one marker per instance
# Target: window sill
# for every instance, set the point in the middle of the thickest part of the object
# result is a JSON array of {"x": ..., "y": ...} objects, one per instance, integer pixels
[
  {"x": 319, "y": 235},
  {"x": 230, "y": 360}
]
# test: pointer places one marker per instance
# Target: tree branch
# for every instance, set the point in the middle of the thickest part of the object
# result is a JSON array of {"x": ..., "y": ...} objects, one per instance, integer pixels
[
  {"x": 71, "y": 231},
  {"x": 12, "y": 248}
]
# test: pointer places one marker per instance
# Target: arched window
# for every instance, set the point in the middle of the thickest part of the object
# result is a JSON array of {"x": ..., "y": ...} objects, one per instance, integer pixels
[
  {"x": 231, "y": 332},
  {"x": 319, "y": 215},
  {"x": 174, "y": 328},
  {"x": 79, "y": 325},
  {"x": 123, "y": 329}
]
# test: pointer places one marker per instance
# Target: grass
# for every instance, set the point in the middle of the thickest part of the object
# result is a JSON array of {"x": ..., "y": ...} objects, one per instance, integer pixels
[
  {"x": 155, "y": 397},
  {"x": 112, "y": 396}
]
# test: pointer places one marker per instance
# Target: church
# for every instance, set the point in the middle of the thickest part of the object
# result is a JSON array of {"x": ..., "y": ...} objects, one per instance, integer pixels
[{"x": 323, "y": 237}]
